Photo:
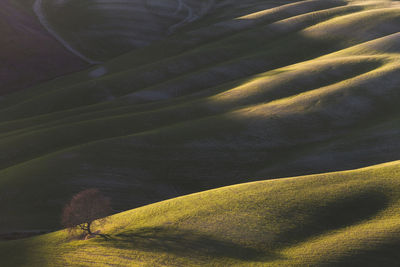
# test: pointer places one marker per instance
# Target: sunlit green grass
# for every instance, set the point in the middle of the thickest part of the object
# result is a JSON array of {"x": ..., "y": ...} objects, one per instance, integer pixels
[
  {"x": 243, "y": 94},
  {"x": 340, "y": 218}
]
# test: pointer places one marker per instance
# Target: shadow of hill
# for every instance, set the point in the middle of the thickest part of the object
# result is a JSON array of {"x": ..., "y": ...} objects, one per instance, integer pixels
[
  {"x": 336, "y": 214},
  {"x": 381, "y": 253}
]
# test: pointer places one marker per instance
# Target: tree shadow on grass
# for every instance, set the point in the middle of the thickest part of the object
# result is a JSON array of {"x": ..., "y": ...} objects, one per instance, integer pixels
[{"x": 184, "y": 243}]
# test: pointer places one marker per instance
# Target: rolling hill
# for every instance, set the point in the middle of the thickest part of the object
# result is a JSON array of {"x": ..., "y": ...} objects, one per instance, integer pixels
[
  {"x": 195, "y": 95},
  {"x": 345, "y": 218},
  {"x": 28, "y": 53},
  {"x": 104, "y": 29}
]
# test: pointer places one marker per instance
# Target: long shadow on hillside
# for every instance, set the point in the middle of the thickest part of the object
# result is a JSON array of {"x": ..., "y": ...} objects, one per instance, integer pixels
[
  {"x": 184, "y": 243},
  {"x": 332, "y": 215},
  {"x": 384, "y": 252}
]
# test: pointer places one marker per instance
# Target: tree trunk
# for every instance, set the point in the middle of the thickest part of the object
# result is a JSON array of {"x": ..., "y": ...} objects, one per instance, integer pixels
[{"x": 88, "y": 228}]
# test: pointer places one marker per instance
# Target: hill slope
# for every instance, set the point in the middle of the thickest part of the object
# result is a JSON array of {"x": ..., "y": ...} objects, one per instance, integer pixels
[
  {"x": 28, "y": 53},
  {"x": 336, "y": 219},
  {"x": 252, "y": 90}
]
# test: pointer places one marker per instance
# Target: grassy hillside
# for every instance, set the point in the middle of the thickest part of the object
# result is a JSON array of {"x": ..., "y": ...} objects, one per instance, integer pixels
[
  {"x": 104, "y": 29},
  {"x": 256, "y": 89},
  {"x": 28, "y": 54},
  {"x": 345, "y": 218}
]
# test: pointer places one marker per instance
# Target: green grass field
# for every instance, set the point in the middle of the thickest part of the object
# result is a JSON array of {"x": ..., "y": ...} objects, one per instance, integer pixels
[
  {"x": 214, "y": 93},
  {"x": 345, "y": 218}
]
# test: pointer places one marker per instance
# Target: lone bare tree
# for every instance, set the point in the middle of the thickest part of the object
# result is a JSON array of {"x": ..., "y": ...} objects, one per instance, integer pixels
[{"x": 86, "y": 207}]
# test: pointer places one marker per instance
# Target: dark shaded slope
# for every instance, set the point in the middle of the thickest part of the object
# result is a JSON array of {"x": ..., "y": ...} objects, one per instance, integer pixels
[{"x": 28, "y": 54}]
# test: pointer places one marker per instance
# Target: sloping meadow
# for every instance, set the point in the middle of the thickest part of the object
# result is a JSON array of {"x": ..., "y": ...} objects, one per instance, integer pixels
[
  {"x": 345, "y": 218},
  {"x": 247, "y": 91}
]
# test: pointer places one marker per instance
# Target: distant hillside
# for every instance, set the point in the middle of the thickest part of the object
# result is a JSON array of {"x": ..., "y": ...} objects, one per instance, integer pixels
[
  {"x": 336, "y": 219},
  {"x": 103, "y": 29},
  {"x": 249, "y": 90},
  {"x": 28, "y": 54}
]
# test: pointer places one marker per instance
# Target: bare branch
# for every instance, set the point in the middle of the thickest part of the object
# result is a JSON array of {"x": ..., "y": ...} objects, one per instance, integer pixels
[{"x": 84, "y": 208}]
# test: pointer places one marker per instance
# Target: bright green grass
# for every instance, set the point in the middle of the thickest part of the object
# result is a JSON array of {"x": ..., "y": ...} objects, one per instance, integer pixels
[
  {"x": 340, "y": 218},
  {"x": 245, "y": 92}
]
